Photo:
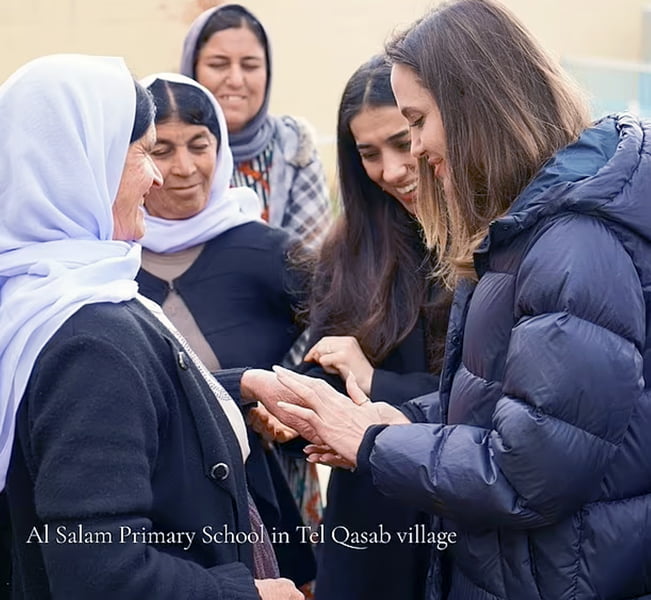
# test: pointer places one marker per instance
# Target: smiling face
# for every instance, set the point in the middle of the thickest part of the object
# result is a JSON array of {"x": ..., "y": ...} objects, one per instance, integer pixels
[
  {"x": 186, "y": 156},
  {"x": 232, "y": 65},
  {"x": 428, "y": 138},
  {"x": 139, "y": 177},
  {"x": 382, "y": 138}
]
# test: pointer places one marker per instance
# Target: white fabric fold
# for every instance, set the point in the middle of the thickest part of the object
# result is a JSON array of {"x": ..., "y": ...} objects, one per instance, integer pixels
[{"x": 66, "y": 121}]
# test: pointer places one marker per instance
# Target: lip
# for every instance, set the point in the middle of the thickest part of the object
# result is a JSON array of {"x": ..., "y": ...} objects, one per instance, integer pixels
[
  {"x": 183, "y": 188},
  {"x": 231, "y": 98},
  {"x": 186, "y": 191},
  {"x": 407, "y": 189}
]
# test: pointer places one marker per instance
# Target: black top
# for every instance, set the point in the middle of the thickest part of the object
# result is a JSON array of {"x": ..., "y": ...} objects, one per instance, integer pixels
[
  {"x": 242, "y": 294},
  {"x": 118, "y": 433}
]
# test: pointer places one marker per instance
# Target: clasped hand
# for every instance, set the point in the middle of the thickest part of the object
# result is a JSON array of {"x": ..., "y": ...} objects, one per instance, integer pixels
[{"x": 333, "y": 422}]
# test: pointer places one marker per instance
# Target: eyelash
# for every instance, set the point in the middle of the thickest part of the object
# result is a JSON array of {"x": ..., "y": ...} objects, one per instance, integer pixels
[
  {"x": 227, "y": 65},
  {"x": 417, "y": 123},
  {"x": 167, "y": 151}
]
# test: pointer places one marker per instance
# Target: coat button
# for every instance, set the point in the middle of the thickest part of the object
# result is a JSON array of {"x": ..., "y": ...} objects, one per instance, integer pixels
[
  {"x": 219, "y": 471},
  {"x": 455, "y": 339},
  {"x": 182, "y": 360}
]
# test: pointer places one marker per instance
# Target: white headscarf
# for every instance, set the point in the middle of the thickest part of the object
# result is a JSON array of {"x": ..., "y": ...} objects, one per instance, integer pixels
[
  {"x": 65, "y": 125},
  {"x": 226, "y": 207}
]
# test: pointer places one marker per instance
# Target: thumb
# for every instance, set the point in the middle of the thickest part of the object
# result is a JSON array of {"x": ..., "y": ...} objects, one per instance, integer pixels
[{"x": 354, "y": 391}]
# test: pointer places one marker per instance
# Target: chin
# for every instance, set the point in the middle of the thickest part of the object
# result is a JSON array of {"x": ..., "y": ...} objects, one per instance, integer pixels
[{"x": 235, "y": 124}]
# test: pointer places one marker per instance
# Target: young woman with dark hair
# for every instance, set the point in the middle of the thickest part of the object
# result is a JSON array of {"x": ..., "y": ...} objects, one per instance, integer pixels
[{"x": 377, "y": 314}]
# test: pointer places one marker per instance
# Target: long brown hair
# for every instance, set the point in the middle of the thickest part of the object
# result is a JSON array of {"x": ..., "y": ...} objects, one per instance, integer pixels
[
  {"x": 506, "y": 108},
  {"x": 371, "y": 280}
]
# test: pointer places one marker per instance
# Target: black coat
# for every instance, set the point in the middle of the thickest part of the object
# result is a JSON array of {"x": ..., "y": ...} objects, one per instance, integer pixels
[
  {"x": 118, "y": 429},
  {"x": 242, "y": 293}
]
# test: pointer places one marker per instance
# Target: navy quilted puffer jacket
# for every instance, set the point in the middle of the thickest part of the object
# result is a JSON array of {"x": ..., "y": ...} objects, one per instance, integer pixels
[{"x": 541, "y": 458}]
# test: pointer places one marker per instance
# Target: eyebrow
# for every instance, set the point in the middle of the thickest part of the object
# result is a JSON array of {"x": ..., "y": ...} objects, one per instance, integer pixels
[
  {"x": 228, "y": 58},
  {"x": 406, "y": 110},
  {"x": 392, "y": 138},
  {"x": 194, "y": 138}
]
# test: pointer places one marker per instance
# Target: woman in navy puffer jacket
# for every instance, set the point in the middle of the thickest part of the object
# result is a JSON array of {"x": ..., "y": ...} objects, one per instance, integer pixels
[{"x": 537, "y": 450}]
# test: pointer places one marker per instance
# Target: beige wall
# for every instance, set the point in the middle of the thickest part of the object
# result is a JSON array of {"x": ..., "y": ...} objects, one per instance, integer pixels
[{"x": 316, "y": 43}]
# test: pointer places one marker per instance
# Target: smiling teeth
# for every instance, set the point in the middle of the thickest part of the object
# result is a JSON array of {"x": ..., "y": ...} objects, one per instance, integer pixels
[{"x": 407, "y": 189}]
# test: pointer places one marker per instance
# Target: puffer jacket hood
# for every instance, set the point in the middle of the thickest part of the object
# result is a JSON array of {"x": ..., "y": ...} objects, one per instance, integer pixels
[{"x": 600, "y": 175}]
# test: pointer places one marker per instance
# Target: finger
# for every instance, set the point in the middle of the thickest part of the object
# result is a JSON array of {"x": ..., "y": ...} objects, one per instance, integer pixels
[
  {"x": 259, "y": 413},
  {"x": 283, "y": 438},
  {"x": 305, "y": 414},
  {"x": 328, "y": 363},
  {"x": 321, "y": 348},
  {"x": 312, "y": 354},
  {"x": 303, "y": 420},
  {"x": 331, "y": 459},
  {"x": 330, "y": 370},
  {"x": 317, "y": 448},
  {"x": 354, "y": 391},
  {"x": 312, "y": 383},
  {"x": 282, "y": 433},
  {"x": 301, "y": 385}
]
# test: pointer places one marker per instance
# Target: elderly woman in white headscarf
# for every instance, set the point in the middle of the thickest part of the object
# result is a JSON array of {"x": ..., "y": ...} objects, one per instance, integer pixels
[
  {"x": 121, "y": 456},
  {"x": 222, "y": 275}
]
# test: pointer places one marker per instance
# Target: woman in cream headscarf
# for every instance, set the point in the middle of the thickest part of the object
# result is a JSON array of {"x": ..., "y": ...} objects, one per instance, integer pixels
[{"x": 117, "y": 448}]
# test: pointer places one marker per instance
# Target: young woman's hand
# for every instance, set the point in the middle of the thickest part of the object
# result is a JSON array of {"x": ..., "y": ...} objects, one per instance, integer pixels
[
  {"x": 339, "y": 421},
  {"x": 342, "y": 355}
]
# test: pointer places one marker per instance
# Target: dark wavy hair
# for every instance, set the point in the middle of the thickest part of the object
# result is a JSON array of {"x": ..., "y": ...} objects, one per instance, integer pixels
[
  {"x": 371, "y": 280},
  {"x": 185, "y": 102}
]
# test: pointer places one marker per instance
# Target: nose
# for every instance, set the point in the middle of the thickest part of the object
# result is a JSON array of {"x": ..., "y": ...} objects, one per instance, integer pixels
[
  {"x": 183, "y": 165},
  {"x": 394, "y": 169},
  {"x": 417, "y": 150},
  {"x": 235, "y": 77}
]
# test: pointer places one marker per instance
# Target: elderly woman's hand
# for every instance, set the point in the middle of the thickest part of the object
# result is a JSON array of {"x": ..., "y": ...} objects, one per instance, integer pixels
[
  {"x": 337, "y": 421},
  {"x": 258, "y": 385},
  {"x": 342, "y": 355},
  {"x": 277, "y": 589},
  {"x": 268, "y": 426}
]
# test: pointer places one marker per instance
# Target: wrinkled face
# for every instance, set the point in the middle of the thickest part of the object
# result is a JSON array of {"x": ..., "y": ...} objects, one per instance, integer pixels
[
  {"x": 186, "y": 156},
  {"x": 231, "y": 64},
  {"x": 140, "y": 175},
  {"x": 428, "y": 138},
  {"x": 382, "y": 137}
]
